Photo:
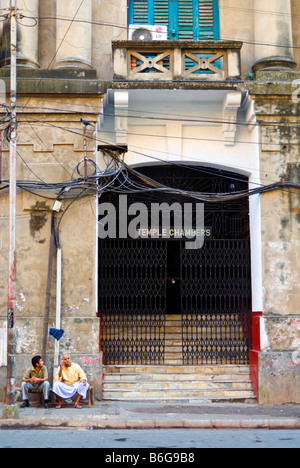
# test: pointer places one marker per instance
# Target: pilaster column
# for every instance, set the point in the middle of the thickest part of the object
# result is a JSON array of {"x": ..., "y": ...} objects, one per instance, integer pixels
[
  {"x": 27, "y": 26},
  {"x": 73, "y": 34},
  {"x": 273, "y": 34},
  {"x": 121, "y": 116}
]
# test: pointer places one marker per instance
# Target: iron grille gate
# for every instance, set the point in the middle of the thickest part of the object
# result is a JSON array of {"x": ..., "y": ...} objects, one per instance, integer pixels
[
  {"x": 216, "y": 303},
  {"x": 212, "y": 291},
  {"x": 132, "y": 292}
]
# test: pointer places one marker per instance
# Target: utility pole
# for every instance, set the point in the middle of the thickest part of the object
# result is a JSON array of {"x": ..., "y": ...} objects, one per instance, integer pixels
[{"x": 10, "y": 410}]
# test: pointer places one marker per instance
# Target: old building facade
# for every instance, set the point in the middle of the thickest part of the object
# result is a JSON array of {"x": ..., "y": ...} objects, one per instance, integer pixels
[{"x": 183, "y": 96}]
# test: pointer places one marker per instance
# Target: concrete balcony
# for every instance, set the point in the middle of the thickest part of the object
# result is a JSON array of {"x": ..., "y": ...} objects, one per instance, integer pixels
[{"x": 177, "y": 60}]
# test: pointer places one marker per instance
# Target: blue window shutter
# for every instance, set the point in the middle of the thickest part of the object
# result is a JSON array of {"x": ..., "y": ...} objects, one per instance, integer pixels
[
  {"x": 151, "y": 11},
  {"x": 186, "y": 19},
  {"x": 209, "y": 19},
  {"x": 216, "y": 20},
  {"x": 196, "y": 24},
  {"x": 161, "y": 12},
  {"x": 138, "y": 12},
  {"x": 173, "y": 19}
]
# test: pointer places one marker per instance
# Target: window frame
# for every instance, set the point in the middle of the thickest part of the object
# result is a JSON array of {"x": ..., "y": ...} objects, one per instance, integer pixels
[{"x": 174, "y": 18}]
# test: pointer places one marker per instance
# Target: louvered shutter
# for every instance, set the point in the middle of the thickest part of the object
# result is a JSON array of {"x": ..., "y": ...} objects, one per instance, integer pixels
[
  {"x": 206, "y": 19},
  {"x": 161, "y": 12},
  {"x": 186, "y": 19},
  {"x": 139, "y": 12}
]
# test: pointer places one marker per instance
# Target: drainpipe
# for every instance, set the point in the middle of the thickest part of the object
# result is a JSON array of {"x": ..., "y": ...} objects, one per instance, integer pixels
[
  {"x": 58, "y": 307},
  {"x": 48, "y": 291},
  {"x": 53, "y": 240}
]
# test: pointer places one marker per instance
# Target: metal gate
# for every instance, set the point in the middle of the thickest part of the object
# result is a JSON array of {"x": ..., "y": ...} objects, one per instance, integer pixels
[
  {"x": 132, "y": 298},
  {"x": 216, "y": 303},
  {"x": 140, "y": 281}
]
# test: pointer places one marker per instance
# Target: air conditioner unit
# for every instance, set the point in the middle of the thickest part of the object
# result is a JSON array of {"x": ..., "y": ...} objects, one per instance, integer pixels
[{"x": 147, "y": 32}]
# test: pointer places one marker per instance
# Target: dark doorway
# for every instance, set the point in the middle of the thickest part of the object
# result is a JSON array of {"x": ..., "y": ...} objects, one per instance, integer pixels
[
  {"x": 173, "y": 302},
  {"x": 142, "y": 281}
]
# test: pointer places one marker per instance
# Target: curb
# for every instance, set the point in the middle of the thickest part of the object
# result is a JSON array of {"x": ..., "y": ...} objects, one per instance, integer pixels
[{"x": 97, "y": 423}]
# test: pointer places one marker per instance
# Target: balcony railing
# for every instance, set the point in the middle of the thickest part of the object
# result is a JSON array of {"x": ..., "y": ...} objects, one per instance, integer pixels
[{"x": 177, "y": 60}]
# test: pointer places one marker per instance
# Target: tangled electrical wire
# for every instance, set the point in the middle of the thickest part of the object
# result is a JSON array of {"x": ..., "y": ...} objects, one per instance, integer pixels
[
  {"x": 88, "y": 180},
  {"x": 28, "y": 21},
  {"x": 118, "y": 177},
  {"x": 7, "y": 122}
]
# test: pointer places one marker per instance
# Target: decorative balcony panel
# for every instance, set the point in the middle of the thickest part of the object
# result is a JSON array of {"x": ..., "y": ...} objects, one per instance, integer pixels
[{"x": 177, "y": 60}]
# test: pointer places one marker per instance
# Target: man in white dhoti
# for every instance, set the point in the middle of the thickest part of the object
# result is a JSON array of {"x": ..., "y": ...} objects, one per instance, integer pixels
[{"x": 70, "y": 379}]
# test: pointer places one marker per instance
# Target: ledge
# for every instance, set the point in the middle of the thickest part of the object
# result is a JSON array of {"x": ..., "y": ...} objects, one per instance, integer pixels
[
  {"x": 178, "y": 44},
  {"x": 174, "y": 85},
  {"x": 57, "y": 73},
  {"x": 61, "y": 81}
]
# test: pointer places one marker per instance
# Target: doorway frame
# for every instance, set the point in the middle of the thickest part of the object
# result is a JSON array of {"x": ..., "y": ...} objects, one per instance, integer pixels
[{"x": 256, "y": 269}]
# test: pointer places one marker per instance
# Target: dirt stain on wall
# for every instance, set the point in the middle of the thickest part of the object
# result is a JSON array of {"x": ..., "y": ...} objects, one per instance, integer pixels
[{"x": 38, "y": 218}]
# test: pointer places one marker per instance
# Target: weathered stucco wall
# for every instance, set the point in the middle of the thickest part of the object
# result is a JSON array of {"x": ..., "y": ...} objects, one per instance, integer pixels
[
  {"x": 109, "y": 23},
  {"x": 237, "y": 22},
  {"x": 50, "y": 146},
  {"x": 279, "y": 114}
]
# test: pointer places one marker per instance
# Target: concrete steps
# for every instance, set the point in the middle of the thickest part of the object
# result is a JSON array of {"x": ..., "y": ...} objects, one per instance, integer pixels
[
  {"x": 175, "y": 382},
  {"x": 204, "y": 384},
  {"x": 173, "y": 340}
]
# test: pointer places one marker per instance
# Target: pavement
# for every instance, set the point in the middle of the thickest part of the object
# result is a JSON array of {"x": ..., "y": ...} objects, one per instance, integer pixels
[{"x": 155, "y": 415}]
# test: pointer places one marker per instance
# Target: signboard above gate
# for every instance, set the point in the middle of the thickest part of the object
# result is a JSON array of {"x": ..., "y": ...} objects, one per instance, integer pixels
[{"x": 175, "y": 234}]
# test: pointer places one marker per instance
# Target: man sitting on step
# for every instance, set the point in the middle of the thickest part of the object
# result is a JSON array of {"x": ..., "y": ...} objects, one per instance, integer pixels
[
  {"x": 36, "y": 378},
  {"x": 70, "y": 379}
]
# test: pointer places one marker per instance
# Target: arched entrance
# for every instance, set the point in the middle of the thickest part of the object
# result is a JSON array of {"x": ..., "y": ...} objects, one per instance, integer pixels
[{"x": 146, "y": 282}]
